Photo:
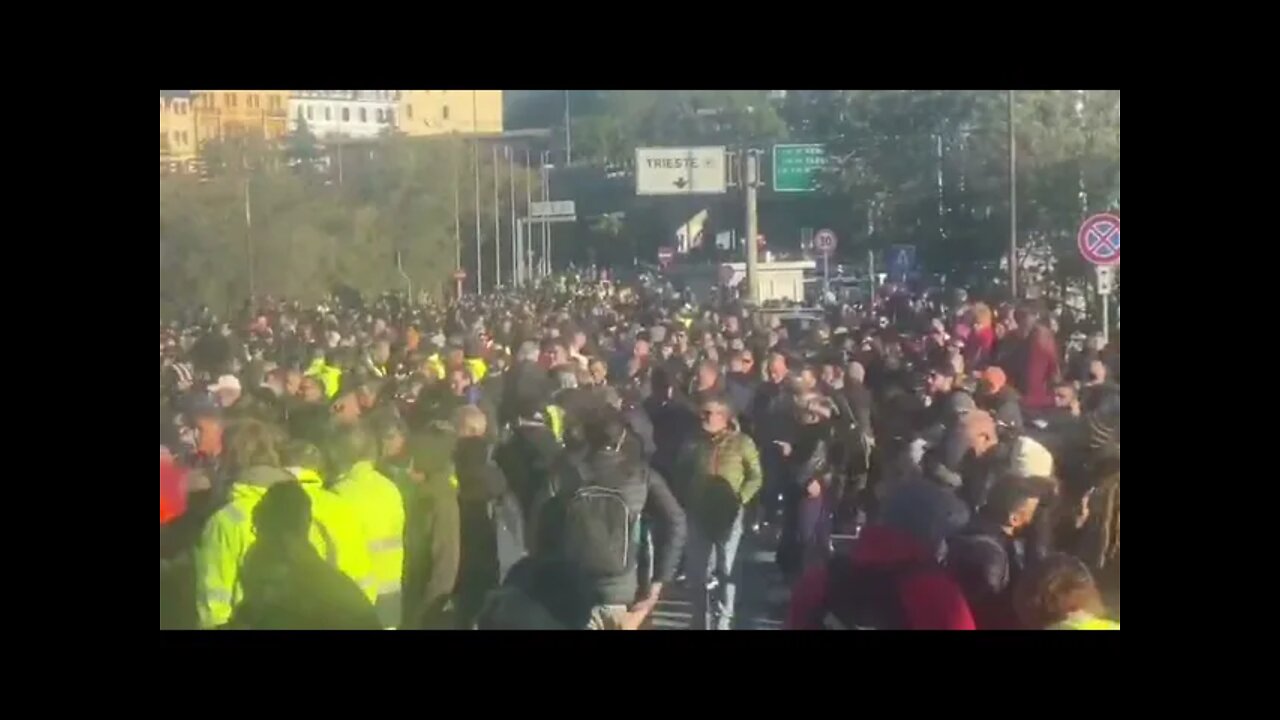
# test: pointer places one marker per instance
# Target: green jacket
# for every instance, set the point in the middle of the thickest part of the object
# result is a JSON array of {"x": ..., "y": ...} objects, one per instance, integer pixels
[
  {"x": 380, "y": 509},
  {"x": 718, "y": 475}
]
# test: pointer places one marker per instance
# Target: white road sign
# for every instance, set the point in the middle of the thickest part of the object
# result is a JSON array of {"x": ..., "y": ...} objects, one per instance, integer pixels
[
  {"x": 1106, "y": 278},
  {"x": 680, "y": 171},
  {"x": 552, "y": 209}
]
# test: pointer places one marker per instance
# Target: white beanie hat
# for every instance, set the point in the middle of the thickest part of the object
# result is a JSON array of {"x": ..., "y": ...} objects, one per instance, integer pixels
[{"x": 1031, "y": 459}]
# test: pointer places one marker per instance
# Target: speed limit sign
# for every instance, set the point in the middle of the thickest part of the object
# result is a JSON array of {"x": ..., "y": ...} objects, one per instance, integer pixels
[{"x": 824, "y": 241}]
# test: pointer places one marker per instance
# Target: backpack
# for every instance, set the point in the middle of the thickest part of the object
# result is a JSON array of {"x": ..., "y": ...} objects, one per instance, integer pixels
[
  {"x": 865, "y": 598},
  {"x": 599, "y": 533}
]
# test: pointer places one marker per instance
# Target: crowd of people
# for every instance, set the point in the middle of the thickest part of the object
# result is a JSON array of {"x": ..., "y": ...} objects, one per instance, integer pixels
[{"x": 563, "y": 456}]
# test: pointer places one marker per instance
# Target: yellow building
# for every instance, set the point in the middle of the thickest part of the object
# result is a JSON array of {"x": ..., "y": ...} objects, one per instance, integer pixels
[
  {"x": 435, "y": 112},
  {"x": 220, "y": 113},
  {"x": 177, "y": 130}
]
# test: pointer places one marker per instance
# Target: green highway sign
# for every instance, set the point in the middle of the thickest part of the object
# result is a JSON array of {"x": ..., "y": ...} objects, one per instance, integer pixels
[{"x": 795, "y": 167}]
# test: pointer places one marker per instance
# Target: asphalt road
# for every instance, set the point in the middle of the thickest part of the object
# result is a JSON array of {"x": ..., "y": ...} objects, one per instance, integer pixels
[{"x": 762, "y": 596}]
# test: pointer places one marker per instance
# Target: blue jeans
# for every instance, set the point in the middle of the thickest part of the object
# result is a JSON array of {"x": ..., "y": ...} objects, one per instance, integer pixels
[{"x": 706, "y": 559}]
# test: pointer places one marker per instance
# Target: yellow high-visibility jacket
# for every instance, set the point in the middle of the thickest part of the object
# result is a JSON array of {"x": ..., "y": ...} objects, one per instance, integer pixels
[
  {"x": 345, "y": 546},
  {"x": 435, "y": 365},
  {"x": 477, "y": 367},
  {"x": 380, "y": 510},
  {"x": 226, "y": 540},
  {"x": 330, "y": 377},
  {"x": 555, "y": 420}
]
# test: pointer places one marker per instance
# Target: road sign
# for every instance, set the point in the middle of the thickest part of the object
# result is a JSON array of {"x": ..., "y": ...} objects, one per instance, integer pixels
[
  {"x": 902, "y": 258},
  {"x": 1099, "y": 239},
  {"x": 459, "y": 274},
  {"x": 795, "y": 167},
  {"x": 552, "y": 209},
  {"x": 1106, "y": 277},
  {"x": 680, "y": 171},
  {"x": 666, "y": 254},
  {"x": 824, "y": 241}
]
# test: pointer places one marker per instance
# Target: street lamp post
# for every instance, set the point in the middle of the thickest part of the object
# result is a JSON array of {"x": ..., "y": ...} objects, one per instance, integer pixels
[{"x": 1013, "y": 205}]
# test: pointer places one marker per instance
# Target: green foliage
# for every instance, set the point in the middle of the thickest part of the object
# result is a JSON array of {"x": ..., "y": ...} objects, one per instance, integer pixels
[{"x": 308, "y": 231}]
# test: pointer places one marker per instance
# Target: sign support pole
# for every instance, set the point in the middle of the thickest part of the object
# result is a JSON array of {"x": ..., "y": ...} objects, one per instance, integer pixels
[
  {"x": 516, "y": 253},
  {"x": 750, "y": 178},
  {"x": 1106, "y": 319}
]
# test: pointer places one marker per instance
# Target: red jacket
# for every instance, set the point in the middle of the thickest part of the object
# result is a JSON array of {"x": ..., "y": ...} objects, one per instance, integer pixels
[
  {"x": 173, "y": 489},
  {"x": 931, "y": 600},
  {"x": 978, "y": 348},
  {"x": 1042, "y": 369}
]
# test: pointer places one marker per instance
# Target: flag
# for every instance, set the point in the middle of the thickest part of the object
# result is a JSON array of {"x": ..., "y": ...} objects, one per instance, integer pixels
[{"x": 689, "y": 234}]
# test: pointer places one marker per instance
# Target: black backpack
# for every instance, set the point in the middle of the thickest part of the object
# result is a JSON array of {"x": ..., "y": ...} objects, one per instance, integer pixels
[
  {"x": 599, "y": 533},
  {"x": 865, "y": 598}
]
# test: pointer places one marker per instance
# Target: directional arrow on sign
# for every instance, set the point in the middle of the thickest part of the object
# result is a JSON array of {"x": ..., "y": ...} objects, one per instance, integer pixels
[{"x": 680, "y": 183}]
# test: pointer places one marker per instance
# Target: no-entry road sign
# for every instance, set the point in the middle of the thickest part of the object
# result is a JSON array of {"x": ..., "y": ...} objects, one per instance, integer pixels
[{"x": 1099, "y": 239}]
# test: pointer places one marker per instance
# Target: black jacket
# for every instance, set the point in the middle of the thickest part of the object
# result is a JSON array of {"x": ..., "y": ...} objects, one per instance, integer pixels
[
  {"x": 526, "y": 459},
  {"x": 490, "y": 525},
  {"x": 646, "y": 493},
  {"x": 741, "y": 388},
  {"x": 1005, "y": 407},
  {"x": 673, "y": 424},
  {"x": 987, "y": 564}
]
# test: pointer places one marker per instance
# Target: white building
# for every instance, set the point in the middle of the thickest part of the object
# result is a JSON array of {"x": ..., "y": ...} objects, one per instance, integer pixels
[{"x": 356, "y": 114}]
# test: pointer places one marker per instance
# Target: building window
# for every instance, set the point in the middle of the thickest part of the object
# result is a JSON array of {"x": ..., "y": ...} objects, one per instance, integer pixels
[
  {"x": 230, "y": 99},
  {"x": 184, "y": 138},
  {"x": 364, "y": 115},
  {"x": 274, "y": 102},
  {"x": 300, "y": 112},
  {"x": 328, "y": 113},
  {"x": 164, "y": 140},
  {"x": 379, "y": 115},
  {"x": 346, "y": 114},
  {"x": 308, "y": 112},
  {"x": 408, "y": 111},
  {"x": 445, "y": 113},
  {"x": 391, "y": 117}
]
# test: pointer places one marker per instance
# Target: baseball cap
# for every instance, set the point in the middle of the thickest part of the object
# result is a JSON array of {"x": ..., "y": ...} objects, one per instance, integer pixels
[{"x": 995, "y": 377}]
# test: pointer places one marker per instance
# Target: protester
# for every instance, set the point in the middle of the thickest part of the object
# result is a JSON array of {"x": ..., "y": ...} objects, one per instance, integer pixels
[
  {"x": 286, "y": 585},
  {"x": 721, "y": 470},
  {"x": 892, "y": 579},
  {"x": 380, "y": 509},
  {"x": 1059, "y": 594},
  {"x": 988, "y": 557},
  {"x": 589, "y": 521},
  {"x": 491, "y": 523}
]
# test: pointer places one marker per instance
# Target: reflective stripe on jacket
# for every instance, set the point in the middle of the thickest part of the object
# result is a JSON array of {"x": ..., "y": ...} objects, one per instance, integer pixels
[{"x": 345, "y": 547}]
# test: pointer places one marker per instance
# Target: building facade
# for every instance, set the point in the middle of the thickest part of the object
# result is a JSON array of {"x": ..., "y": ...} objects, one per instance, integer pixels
[
  {"x": 355, "y": 114},
  {"x": 437, "y": 112},
  {"x": 177, "y": 131},
  {"x": 222, "y": 113}
]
